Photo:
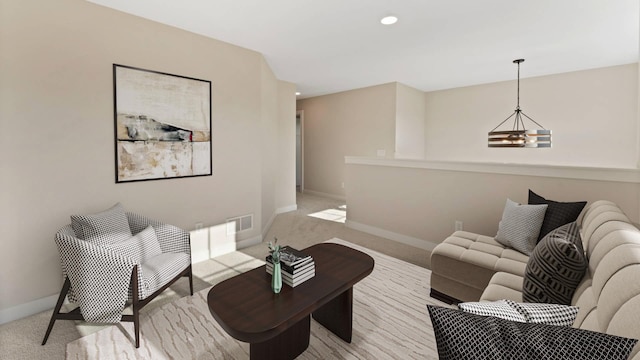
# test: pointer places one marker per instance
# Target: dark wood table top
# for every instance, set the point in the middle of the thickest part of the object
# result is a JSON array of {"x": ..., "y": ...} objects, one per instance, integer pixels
[{"x": 246, "y": 307}]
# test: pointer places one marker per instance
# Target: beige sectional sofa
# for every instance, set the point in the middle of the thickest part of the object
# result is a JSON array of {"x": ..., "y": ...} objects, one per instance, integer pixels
[{"x": 470, "y": 267}]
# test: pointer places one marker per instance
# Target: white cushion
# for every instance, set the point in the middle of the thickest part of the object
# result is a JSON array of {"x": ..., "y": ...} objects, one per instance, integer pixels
[
  {"x": 161, "y": 269},
  {"x": 550, "y": 314},
  {"x": 139, "y": 248}
]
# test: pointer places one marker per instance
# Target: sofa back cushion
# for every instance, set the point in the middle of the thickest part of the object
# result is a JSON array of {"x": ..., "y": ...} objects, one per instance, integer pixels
[{"x": 609, "y": 296}]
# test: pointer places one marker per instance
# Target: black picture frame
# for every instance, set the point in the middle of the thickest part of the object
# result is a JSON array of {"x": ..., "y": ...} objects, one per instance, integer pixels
[{"x": 162, "y": 125}]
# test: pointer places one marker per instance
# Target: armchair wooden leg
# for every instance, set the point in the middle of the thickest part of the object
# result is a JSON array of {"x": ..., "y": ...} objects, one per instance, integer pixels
[
  {"x": 136, "y": 310},
  {"x": 191, "y": 279},
  {"x": 56, "y": 310}
]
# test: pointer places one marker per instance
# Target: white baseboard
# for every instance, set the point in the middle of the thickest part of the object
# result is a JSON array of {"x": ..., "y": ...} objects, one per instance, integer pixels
[
  {"x": 28, "y": 309},
  {"x": 280, "y": 210},
  {"x": 327, "y": 195},
  {"x": 405, "y": 239},
  {"x": 286, "y": 209}
]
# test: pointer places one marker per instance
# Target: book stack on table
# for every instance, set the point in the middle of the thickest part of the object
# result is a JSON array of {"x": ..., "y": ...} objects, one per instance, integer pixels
[{"x": 296, "y": 266}]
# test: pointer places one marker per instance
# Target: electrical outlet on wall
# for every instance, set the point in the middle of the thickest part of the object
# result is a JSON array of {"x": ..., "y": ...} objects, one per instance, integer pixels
[{"x": 458, "y": 225}]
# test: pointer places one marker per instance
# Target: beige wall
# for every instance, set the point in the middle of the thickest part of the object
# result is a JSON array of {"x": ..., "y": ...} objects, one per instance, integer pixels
[
  {"x": 410, "y": 122},
  {"x": 56, "y": 118},
  {"x": 286, "y": 144},
  {"x": 593, "y": 115},
  {"x": 419, "y": 206},
  {"x": 357, "y": 122}
]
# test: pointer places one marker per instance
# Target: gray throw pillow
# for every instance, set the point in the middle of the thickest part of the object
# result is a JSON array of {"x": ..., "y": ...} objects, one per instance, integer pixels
[
  {"x": 107, "y": 227},
  {"x": 520, "y": 226},
  {"x": 555, "y": 268}
]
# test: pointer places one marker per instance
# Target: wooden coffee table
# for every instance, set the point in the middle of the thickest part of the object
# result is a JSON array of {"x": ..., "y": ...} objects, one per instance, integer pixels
[{"x": 277, "y": 325}]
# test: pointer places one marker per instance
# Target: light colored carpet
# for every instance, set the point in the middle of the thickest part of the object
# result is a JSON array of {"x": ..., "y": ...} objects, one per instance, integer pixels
[
  {"x": 21, "y": 339},
  {"x": 390, "y": 320}
]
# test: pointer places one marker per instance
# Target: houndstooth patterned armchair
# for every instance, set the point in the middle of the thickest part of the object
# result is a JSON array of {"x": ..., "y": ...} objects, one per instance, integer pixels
[{"x": 113, "y": 257}]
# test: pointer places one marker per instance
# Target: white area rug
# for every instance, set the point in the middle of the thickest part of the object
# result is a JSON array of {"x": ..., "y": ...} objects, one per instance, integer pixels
[{"x": 390, "y": 321}]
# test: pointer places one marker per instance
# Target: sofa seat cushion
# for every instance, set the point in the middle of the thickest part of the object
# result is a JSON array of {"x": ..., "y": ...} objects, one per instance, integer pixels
[
  {"x": 161, "y": 269},
  {"x": 463, "y": 264},
  {"x": 503, "y": 286},
  {"x": 477, "y": 251}
]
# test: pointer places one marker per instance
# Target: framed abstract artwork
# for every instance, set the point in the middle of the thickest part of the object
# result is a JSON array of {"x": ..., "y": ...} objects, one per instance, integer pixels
[{"x": 162, "y": 125}]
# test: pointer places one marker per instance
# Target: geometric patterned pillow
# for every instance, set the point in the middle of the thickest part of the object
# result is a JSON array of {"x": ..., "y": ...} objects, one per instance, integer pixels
[
  {"x": 550, "y": 314},
  {"x": 464, "y": 336},
  {"x": 520, "y": 226},
  {"x": 558, "y": 213},
  {"x": 139, "y": 248},
  {"x": 107, "y": 227},
  {"x": 555, "y": 268},
  {"x": 501, "y": 309}
]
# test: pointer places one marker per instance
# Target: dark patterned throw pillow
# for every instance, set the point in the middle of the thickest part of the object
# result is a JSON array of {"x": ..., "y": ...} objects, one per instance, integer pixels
[
  {"x": 555, "y": 268},
  {"x": 558, "y": 213},
  {"x": 465, "y": 336}
]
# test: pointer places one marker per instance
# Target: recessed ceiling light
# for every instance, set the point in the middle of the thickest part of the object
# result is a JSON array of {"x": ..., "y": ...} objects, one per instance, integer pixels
[
  {"x": 297, "y": 93},
  {"x": 389, "y": 20}
]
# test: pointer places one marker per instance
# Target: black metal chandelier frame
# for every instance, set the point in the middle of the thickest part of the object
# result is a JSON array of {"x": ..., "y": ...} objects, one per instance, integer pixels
[{"x": 519, "y": 135}]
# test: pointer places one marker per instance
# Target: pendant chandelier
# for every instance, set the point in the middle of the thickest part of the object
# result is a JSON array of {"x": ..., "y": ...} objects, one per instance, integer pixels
[{"x": 519, "y": 135}]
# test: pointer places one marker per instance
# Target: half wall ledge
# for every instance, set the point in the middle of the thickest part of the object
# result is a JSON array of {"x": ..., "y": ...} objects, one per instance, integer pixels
[{"x": 626, "y": 175}]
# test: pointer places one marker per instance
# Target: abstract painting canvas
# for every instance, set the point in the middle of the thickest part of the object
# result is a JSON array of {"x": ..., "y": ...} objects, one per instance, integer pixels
[{"x": 162, "y": 125}]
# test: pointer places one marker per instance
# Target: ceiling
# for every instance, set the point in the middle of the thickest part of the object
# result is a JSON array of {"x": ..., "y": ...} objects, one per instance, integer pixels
[{"x": 327, "y": 46}]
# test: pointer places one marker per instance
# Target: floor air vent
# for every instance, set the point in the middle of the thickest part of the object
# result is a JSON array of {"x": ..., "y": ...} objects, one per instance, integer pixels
[{"x": 240, "y": 223}]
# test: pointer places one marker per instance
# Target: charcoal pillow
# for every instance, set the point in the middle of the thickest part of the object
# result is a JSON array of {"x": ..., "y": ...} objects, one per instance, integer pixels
[
  {"x": 550, "y": 314},
  {"x": 555, "y": 268},
  {"x": 107, "y": 227},
  {"x": 520, "y": 226},
  {"x": 139, "y": 248},
  {"x": 558, "y": 213},
  {"x": 465, "y": 336}
]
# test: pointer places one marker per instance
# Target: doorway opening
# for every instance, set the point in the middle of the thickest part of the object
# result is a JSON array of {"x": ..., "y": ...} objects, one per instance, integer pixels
[{"x": 300, "y": 151}]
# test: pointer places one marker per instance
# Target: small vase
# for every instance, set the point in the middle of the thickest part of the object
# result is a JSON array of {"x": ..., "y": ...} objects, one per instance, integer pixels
[{"x": 276, "y": 278}]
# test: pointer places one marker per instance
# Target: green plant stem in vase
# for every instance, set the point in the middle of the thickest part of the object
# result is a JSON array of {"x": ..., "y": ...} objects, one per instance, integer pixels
[{"x": 276, "y": 278}]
